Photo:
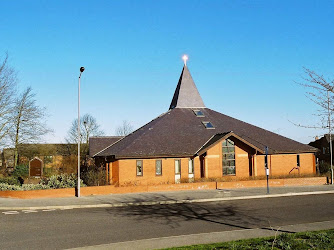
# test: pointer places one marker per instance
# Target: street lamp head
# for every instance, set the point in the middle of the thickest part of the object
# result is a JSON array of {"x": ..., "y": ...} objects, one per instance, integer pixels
[{"x": 82, "y": 69}]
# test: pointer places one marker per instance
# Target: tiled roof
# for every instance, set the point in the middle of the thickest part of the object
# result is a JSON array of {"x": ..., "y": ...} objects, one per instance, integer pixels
[
  {"x": 97, "y": 143},
  {"x": 179, "y": 132},
  {"x": 186, "y": 94}
]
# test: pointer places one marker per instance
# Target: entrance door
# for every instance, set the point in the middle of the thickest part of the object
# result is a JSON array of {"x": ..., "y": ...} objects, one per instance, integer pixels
[
  {"x": 177, "y": 171},
  {"x": 202, "y": 162},
  {"x": 35, "y": 167},
  {"x": 191, "y": 169},
  {"x": 250, "y": 162}
]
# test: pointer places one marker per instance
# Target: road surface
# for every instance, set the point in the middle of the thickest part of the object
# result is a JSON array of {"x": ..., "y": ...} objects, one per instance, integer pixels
[{"x": 60, "y": 229}]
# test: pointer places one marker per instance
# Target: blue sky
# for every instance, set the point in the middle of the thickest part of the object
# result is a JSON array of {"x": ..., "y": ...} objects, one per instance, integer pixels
[{"x": 244, "y": 57}]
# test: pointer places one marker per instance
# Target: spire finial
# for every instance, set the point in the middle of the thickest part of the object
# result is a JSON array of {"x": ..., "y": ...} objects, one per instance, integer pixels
[{"x": 185, "y": 59}]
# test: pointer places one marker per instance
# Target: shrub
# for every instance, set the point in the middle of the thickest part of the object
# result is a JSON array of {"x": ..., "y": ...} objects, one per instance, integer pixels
[
  {"x": 48, "y": 172},
  {"x": 10, "y": 180},
  {"x": 34, "y": 187},
  {"x": 324, "y": 167},
  {"x": 8, "y": 187},
  {"x": 21, "y": 171},
  {"x": 61, "y": 181},
  {"x": 54, "y": 182},
  {"x": 94, "y": 177}
]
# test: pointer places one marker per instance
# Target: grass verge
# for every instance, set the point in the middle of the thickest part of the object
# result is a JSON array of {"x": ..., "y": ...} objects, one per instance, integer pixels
[{"x": 307, "y": 240}]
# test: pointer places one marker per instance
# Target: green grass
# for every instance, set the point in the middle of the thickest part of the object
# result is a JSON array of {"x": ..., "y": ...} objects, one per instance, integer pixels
[{"x": 307, "y": 240}]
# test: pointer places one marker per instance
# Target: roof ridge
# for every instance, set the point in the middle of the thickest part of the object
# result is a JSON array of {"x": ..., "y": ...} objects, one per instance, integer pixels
[
  {"x": 108, "y": 146},
  {"x": 107, "y": 136}
]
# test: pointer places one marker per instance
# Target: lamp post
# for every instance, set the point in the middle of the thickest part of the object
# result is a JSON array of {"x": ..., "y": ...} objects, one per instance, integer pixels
[
  {"x": 330, "y": 133},
  {"x": 78, "y": 188}
]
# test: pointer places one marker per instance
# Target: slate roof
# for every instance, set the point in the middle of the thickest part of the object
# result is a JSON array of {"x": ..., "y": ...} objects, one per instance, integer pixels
[
  {"x": 180, "y": 133},
  {"x": 186, "y": 94},
  {"x": 97, "y": 143}
]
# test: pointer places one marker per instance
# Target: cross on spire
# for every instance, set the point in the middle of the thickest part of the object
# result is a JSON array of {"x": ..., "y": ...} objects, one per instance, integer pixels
[{"x": 185, "y": 59}]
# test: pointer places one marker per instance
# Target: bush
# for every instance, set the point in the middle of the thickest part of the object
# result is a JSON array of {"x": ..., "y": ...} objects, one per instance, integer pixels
[
  {"x": 10, "y": 180},
  {"x": 324, "y": 167},
  {"x": 34, "y": 187},
  {"x": 21, "y": 171},
  {"x": 48, "y": 172},
  {"x": 54, "y": 182},
  {"x": 8, "y": 187},
  {"x": 94, "y": 177},
  {"x": 61, "y": 181}
]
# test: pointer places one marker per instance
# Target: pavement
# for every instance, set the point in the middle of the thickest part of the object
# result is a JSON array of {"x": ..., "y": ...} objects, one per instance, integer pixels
[{"x": 156, "y": 198}]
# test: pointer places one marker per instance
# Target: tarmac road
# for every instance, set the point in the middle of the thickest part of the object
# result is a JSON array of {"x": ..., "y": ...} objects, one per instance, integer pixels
[{"x": 71, "y": 228}]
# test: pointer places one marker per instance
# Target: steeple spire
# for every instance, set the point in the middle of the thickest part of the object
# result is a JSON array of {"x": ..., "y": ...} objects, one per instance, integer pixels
[{"x": 186, "y": 94}]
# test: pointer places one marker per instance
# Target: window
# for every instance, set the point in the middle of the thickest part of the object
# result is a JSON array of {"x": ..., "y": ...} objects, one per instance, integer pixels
[
  {"x": 191, "y": 166},
  {"x": 139, "y": 167},
  {"x": 198, "y": 113},
  {"x": 228, "y": 157},
  {"x": 158, "y": 167},
  {"x": 177, "y": 166},
  {"x": 298, "y": 161},
  {"x": 208, "y": 125}
]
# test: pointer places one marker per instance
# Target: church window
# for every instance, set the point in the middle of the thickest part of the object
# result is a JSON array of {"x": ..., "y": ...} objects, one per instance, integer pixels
[
  {"x": 139, "y": 167},
  {"x": 228, "y": 157}
]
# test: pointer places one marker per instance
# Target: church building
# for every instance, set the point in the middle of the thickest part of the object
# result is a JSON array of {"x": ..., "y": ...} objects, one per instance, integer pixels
[{"x": 191, "y": 141}]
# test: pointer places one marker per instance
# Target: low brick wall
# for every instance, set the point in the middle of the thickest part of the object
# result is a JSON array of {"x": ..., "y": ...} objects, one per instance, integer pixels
[
  {"x": 32, "y": 194},
  {"x": 103, "y": 190},
  {"x": 183, "y": 186},
  {"x": 274, "y": 183}
]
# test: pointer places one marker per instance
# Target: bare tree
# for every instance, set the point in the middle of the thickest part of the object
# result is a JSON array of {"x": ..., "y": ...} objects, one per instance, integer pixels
[
  {"x": 124, "y": 129},
  {"x": 7, "y": 87},
  {"x": 321, "y": 92},
  {"x": 28, "y": 121},
  {"x": 88, "y": 127}
]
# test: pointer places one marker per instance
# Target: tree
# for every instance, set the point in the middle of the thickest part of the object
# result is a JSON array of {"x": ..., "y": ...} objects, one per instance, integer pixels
[
  {"x": 88, "y": 127},
  {"x": 27, "y": 121},
  {"x": 7, "y": 87},
  {"x": 321, "y": 92},
  {"x": 124, "y": 129}
]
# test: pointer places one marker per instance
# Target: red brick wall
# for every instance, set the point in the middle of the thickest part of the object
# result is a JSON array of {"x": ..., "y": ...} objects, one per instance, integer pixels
[
  {"x": 115, "y": 172},
  {"x": 213, "y": 161},
  {"x": 124, "y": 171},
  {"x": 282, "y": 164}
]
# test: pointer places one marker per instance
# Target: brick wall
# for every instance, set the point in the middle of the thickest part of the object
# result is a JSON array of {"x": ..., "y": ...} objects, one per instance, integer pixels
[
  {"x": 124, "y": 171},
  {"x": 282, "y": 164}
]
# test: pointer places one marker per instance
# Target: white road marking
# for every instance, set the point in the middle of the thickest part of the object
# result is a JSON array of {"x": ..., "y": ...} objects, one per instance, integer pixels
[
  {"x": 10, "y": 212},
  {"x": 48, "y": 210},
  {"x": 29, "y": 211}
]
